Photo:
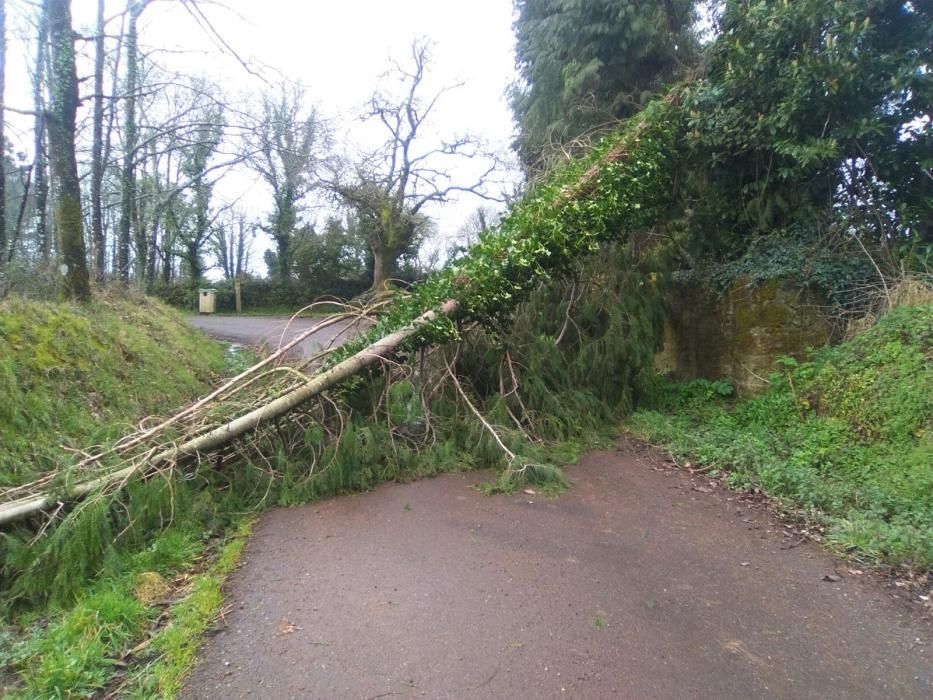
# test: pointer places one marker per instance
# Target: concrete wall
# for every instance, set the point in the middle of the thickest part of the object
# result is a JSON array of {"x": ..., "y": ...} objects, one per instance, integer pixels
[{"x": 741, "y": 333}]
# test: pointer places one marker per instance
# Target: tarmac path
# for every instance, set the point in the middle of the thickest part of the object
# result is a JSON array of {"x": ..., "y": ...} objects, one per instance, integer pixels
[
  {"x": 272, "y": 332},
  {"x": 641, "y": 581}
]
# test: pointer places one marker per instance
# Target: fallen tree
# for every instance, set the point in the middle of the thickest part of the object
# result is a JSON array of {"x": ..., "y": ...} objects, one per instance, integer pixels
[
  {"x": 223, "y": 434},
  {"x": 756, "y": 141},
  {"x": 625, "y": 183}
]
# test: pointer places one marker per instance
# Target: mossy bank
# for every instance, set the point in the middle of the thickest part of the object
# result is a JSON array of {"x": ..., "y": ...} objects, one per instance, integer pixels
[
  {"x": 75, "y": 376},
  {"x": 71, "y": 377}
]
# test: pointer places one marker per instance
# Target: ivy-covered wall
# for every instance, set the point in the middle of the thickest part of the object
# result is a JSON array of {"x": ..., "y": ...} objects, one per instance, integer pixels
[{"x": 741, "y": 333}]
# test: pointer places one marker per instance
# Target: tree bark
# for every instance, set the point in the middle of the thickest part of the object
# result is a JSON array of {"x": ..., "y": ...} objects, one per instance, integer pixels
[
  {"x": 382, "y": 268},
  {"x": 41, "y": 183},
  {"x": 286, "y": 218},
  {"x": 18, "y": 226},
  {"x": 2, "y": 134},
  {"x": 128, "y": 171},
  {"x": 97, "y": 147},
  {"x": 193, "y": 259},
  {"x": 64, "y": 166}
]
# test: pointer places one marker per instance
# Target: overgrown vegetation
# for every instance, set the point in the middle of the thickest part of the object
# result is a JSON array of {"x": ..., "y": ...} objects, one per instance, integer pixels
[
  {"x": 578, "y": 355},
  {"x": 75, "y": 376},
  {"x": 155, "y": 595},
  {"x": 846, "y": 437}
]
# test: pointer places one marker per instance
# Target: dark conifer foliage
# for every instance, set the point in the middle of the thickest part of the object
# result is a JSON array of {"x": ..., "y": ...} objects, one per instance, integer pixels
[{"x": 588, "y": 63}]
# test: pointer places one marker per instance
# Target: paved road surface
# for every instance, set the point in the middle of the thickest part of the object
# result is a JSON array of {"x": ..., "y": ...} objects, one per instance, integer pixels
[
  {"x": 273, "y": 331},
  {"x": 633, "y": 584}
]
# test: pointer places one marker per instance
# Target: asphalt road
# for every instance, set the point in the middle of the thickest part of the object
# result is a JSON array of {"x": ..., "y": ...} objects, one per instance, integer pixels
[
  {"x": 271, "y": 332},
  {"x": 639, "y": 582}
]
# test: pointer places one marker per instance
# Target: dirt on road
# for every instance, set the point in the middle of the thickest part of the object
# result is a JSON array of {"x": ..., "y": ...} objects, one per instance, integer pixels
[
  {"x": 272, "y": 332},
  {"x": 638, "y": 582}
]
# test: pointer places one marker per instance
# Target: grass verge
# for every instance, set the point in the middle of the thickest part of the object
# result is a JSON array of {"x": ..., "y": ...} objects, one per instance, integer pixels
[
  {"x": 94, "y": 646},
  {"x": 175, "y": 646},
  {"x": 844, "y": 438},
  {"x": 74, "y": 376}
]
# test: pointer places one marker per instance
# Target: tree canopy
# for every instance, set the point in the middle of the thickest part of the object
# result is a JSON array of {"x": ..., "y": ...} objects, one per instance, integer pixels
[{"x": 588, "y": 63}]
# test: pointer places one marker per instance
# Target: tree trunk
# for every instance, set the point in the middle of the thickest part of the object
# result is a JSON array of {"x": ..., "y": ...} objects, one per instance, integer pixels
[
  {"x": 383, "y": 262},
  {"x": 97, "y": 147},
  {"x": 169, "y": 239},
  {"x": 2, "y": 134},
  {"x": 193, "y": 259},
  {"x": 128, "y": 171},
  {"x": 240, "y": 251},
  {"x": 285, "y": 220},
  {"x": 39, "y": 163},
  {"x": 18, "y": 226},
  {"x": 61, "y": 128},
  {"x": 282, "y": 247}
]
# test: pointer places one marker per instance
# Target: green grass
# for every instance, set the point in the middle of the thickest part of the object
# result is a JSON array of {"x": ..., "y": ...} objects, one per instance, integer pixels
[
  {"x": 75, "y": 376},
  {"x": 845, "y": 438},
  {"x": 79, "y": 650},
  {"x": 175, "y": 646},
  {"x": 72, "y": 651}
]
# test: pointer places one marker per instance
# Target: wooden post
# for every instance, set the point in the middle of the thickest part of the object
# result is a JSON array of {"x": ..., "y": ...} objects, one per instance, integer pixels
[{"x": 237, "y": 291}]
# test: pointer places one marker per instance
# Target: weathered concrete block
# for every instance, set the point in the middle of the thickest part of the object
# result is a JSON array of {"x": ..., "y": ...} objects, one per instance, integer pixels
[{"x": 741, "y": 333}]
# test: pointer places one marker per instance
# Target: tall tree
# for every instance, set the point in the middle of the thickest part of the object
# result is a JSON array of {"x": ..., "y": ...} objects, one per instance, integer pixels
[
  {"x": 585, "y": 63},
  {"x": 826, "y": 120},
  {"x": 197, "y": 215},
  {"x": 285, "y": 148},
  {"x": 41, "y": 183},
  {"x": 393, "y": 184},
  {"x": 97, "y": 149},
  {"x": 134, "y": 9},
  {"x": 2, "y": 134},
  {"x": 20, "y": 191},
  {"x": 232, "y": 241},
  {"x": 60, "y": 119}
]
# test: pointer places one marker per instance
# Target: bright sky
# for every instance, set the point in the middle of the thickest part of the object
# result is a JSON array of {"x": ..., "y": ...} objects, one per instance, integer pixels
[{"x": 338, "y": 50}]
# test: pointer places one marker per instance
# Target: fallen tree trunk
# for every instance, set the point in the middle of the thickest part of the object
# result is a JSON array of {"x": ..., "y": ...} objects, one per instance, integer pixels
[
  {"x": 625, "y": 186},
  {"x": 212, "y": 439}
]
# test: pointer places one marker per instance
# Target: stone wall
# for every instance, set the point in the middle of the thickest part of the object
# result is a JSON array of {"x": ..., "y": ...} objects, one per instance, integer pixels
[{"x": 741, "y": 333}]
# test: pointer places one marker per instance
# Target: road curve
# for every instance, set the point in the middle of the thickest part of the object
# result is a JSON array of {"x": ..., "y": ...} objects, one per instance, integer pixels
[
  {"x": 639, "y": 582},
  {"x": 271, "y": 332}
]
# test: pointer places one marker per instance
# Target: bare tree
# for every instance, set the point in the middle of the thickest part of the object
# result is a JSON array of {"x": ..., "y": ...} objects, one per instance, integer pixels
[
  {"x": 97, "y": 149},
  {"x": 40, "y": 181},
  {"x": 60, "y": 120},
  {"x": 393, "y": 184},
  {"x": 232, "y": 243},
  {"x": 286, "y": 148},
  {"x": 134, "y": 9}
]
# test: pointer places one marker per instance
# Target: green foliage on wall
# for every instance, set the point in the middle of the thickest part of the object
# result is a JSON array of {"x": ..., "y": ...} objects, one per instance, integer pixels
[{"x": 846, "y": 437}]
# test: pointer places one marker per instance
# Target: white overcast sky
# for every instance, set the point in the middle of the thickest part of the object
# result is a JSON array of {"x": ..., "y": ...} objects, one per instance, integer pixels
[{"x": 338, "y": 49}]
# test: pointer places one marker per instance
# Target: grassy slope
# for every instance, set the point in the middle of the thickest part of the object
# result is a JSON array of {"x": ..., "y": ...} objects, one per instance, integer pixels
[
  {"x": 82, "y": 375},
  {"x": 846, "y": 437},
  {"x": 77, "y": 376}
]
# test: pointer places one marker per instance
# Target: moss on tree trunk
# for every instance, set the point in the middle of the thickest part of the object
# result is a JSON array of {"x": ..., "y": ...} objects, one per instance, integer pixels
[{"x": 61, "y": 131}]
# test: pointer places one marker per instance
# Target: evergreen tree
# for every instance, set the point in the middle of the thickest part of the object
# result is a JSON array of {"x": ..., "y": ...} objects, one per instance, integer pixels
[{"x": 586, "y": 63}]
